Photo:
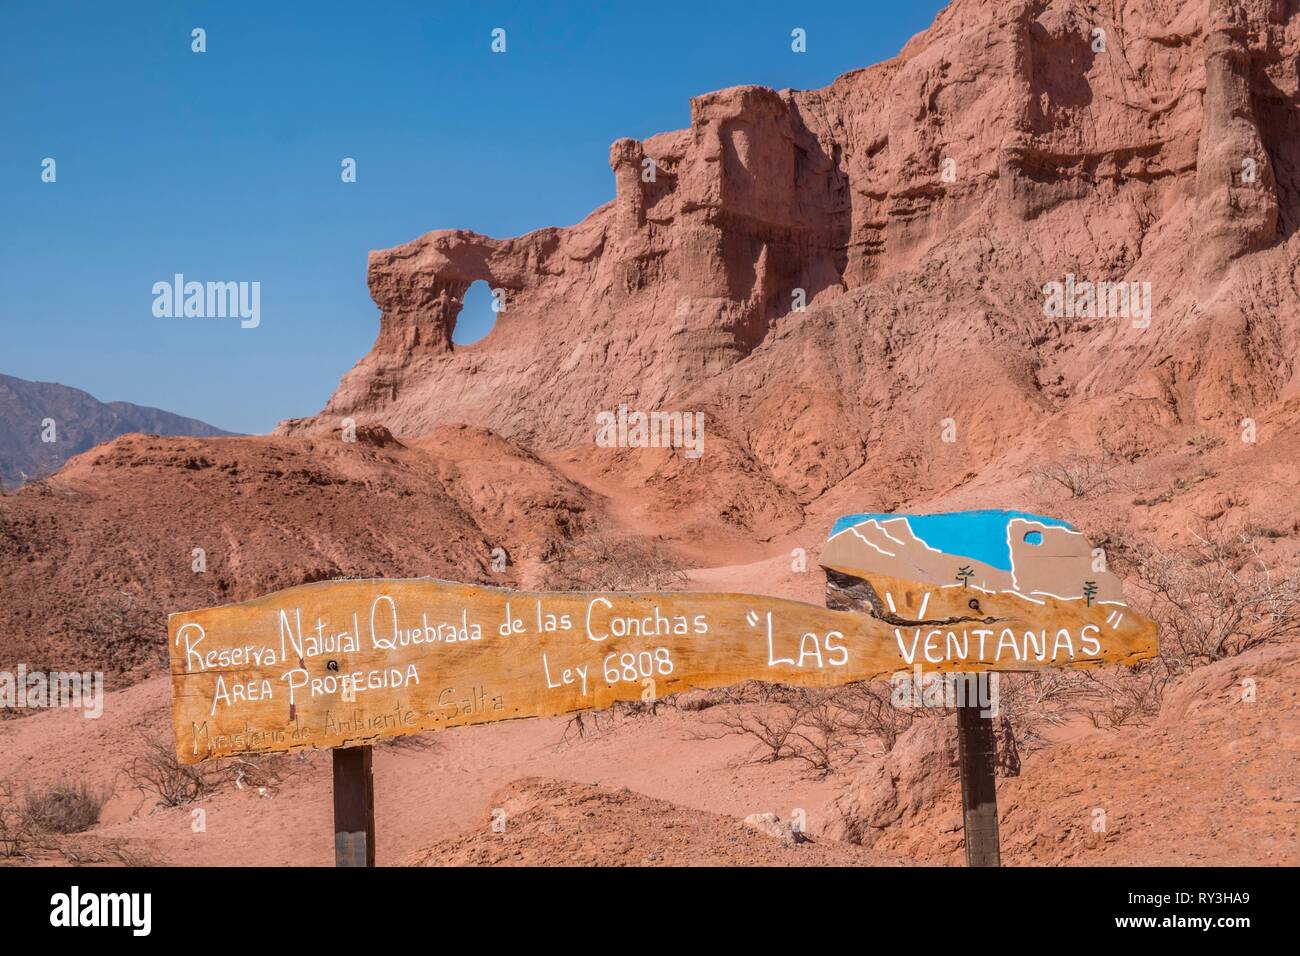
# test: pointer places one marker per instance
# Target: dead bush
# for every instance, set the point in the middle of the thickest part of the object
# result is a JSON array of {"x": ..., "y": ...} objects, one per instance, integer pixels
[
  {"x": 606, "y": 562},
  {"x": 694, "y": 703},
  {"x": 592, "y": 723},
  {"x": 1032, "y": 703},
  {"x": 1216, "y": 598},
  {"x": 869, "y": 710},
  {"x": 267, "y": 773},
  {"x": 410, "y": 742},
  {"x": 64, "y": 807},
  {"x": 587, "y": 723},
  {"x": 155, "y": 770},
  {"x": 1007, "y": 748},
  {"x": 822, "y": 729},
  {"x": 16, "y": 833},
  {"x": 1080, "y": 475},
  {"x": 118, "y": 631}
]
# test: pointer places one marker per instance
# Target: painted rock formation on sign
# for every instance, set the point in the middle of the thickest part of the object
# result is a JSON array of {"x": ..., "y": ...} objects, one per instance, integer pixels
[{"x": 984, "y": 551}]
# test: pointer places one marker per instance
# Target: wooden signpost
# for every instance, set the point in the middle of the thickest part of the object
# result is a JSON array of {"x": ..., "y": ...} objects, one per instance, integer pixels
[
  {"x": 977, "y": 759},
  {"x": 340, "y": 664}
]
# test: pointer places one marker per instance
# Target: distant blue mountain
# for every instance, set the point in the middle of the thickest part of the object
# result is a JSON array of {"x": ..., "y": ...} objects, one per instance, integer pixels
[{"x": 81, "y": 422}]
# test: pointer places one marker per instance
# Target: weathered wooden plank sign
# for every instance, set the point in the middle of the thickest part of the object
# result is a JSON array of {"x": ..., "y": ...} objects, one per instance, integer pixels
[{"x": 341, "y": 663}]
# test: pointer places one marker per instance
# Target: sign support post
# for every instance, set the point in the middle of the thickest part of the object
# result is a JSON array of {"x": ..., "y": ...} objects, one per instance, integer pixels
[
  {"x": 977, "y": 758},
  {"x": 354, "y": 807}
]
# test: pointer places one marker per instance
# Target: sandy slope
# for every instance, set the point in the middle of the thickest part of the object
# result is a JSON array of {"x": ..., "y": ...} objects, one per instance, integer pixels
[
  {"x": 435, "y": 788},
  {"x": 553, "y": 823}
]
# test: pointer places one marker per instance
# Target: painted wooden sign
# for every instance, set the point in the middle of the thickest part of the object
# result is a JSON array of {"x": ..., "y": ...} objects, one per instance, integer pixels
[
  {"x": 341, "y": 663},
  {"x": 1033, "y": 557}
]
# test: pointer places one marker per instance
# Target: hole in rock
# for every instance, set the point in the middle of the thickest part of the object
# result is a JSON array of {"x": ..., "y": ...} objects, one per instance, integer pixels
[
  {"x": 1033, "y": 537},
  {"x": 476, "y": 317}
]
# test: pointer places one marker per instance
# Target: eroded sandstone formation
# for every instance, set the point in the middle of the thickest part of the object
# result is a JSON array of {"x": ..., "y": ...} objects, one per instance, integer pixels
[{"x": 867, "y": 261}]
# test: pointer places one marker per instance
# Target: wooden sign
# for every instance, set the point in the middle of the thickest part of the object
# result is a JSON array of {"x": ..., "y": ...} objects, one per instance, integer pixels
[{"x": 341, "y": 663}]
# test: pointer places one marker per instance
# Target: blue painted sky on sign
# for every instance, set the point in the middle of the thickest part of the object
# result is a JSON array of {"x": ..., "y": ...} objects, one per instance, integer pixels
[{"x": 981, "y": 535}]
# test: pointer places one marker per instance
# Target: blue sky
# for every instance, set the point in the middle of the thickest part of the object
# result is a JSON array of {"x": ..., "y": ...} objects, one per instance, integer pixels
[{"x": 225, "y": 165}]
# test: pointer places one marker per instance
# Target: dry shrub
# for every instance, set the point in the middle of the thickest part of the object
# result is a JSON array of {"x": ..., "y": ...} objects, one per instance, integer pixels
[
  {"x": 1030, "y": 703},
  {"x": 23, "y": 838},
  {"x": 105, "y": 852},
  {"x": 64, "y": 807},
  {"x": 155, "y": 770},
  {"x": 16, "y": 833},
  {"x": 792, "y": 730},
  {"x": 408, "y": 742},
  {"x": 592, "y": 723},
  {"x": 1007, "y": 748},
  {"x": 694, "y": 703},
  {"x": 822, "y": 729},
  {"x": 602, "y": 561},
  {"x": 1217, "y": 598},
  {"x": 117, "y": 632},
  {"x": 871, "y": 714},
  {"x": 753, "y": 692},
  {"x": 267, "y": 773},
  {"x": 586, "y": 723},
  {"x": 1082, "y": 474}
]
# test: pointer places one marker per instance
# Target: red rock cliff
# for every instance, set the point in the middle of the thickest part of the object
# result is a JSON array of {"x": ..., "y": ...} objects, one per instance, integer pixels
[{"x": 917, "y": 208}]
